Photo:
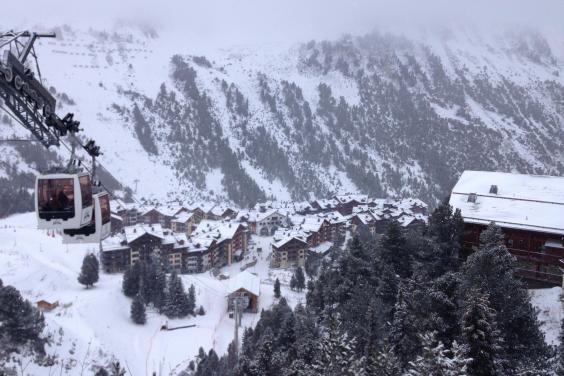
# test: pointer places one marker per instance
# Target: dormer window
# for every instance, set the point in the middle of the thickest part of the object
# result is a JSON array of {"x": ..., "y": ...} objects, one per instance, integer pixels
[
  {"x": 472, "y": 197},
  {"x": 493, "y": 189}
]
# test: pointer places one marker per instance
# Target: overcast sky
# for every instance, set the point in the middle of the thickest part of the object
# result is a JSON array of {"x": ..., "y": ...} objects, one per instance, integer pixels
[{"x": 244, "y": 21}]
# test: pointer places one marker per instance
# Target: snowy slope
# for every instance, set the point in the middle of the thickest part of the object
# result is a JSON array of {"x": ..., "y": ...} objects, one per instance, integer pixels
[{"x": 92, "y": 326}]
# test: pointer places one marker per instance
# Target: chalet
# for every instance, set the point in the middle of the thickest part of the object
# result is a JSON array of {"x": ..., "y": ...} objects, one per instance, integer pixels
[
  {"x": 116, "y": 223},
  {"x": 128, "y": 212},
  {"x": 366, "y": 220},
  {"x": 324, "y": 205},
  {"x": 199, "y": 211},
  {"x": 45, "y": 306},
  {"x": 266, "y": 223},
  {"x": 289, "y": 251},
  {"x": 132, "y": 244},
  {"x": 528, "y": 208},
  {"x": 346, "y": 203},
  {"x": 317, "y": 230},
  {"x": 184, "y": 222},
  {"x": 199, "y": 254},
  {"x": 219, "y": 212},
  {"x": 244, "y": 286},
  {"x": 231, "y": 240}
]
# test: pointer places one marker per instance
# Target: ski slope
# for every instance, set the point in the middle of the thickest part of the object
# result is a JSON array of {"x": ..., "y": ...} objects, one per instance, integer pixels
[{"x": 92, "y": 326}]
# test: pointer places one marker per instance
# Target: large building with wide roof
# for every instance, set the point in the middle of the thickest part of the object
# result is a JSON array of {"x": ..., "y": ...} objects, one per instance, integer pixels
[{"x": 529, "y": 209}]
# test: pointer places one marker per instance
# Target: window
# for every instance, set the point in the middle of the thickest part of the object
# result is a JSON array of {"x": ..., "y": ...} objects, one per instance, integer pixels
[
  {"x": 56, "y": 196},
  {"x": 472, "y": 197},
  {"x": 493, "y": 189},
  {"x": 105, "y": 208},
  {"x": 85, "y": 190}
]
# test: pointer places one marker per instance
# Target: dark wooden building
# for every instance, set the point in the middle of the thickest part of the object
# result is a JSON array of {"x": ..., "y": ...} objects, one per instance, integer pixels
[
  {"x": 530, "y": 211},
  {"x": 290, "y": 251}
]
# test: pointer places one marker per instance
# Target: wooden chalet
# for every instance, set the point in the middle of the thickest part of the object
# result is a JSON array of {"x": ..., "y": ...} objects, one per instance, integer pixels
[{"x": 530, "y": 211}]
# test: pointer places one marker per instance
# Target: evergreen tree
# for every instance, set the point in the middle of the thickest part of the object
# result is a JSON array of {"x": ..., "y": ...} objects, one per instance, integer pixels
[
  {"x": 559, "y": 370},
  {"x": 101, "y": 372},
  {"x": 300, "y": 279},
  {"x": 403, "y": 331},
  {"x": 89, "y": 272},
  {"x": 394, "y": 251},
  {"x": 336, "y": 355},
  {"x": 480, "y": 335},
  {"x": 262, "y": 365},
  {"x": 277, "y": 289},
  {"x": 177, "y": 302},
  {"x": 293, "y": 283},
  {"x": 201, "y": 311},
  {"x": 131, "y": 280},
  {"x": 138, "y": 310},
  {"x": 191, "y": 304},
  {"x": 491, "y": 270},
  {"x": 20, "y": 322},
  {"x": 435, "y": 360},
  {"x": 383, "y": 363},
  {"x": 116, "y": 369}
]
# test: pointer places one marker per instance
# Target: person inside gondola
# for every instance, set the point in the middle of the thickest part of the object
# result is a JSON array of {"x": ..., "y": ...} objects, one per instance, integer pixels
[{"x": 63, "y": 200}]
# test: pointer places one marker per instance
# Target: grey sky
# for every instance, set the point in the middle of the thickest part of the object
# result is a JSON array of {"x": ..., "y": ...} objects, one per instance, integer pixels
[{"x": 246, "y": 21}]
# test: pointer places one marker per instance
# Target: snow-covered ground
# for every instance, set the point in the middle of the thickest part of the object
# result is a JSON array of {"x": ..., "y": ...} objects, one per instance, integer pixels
[
  {"x": 92, "y": 325},
  {"x": 550, "y": 312}
]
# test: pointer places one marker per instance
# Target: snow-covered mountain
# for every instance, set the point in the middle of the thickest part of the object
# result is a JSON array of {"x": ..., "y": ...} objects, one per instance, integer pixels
[{"x": 380, "y": 113}]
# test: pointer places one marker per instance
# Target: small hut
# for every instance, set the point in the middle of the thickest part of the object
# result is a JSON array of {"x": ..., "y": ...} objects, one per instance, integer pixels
[{"x": 244, "y": 285}]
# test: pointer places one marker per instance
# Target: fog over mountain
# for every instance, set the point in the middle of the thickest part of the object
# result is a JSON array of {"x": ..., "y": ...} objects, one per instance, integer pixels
[{"x": 250, "y": 100}]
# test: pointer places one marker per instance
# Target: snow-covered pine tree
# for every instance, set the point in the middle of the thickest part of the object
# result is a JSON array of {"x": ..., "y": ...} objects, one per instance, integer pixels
[
  {"x": 116, "y": 369},
  {"x": 262, "y": 363},
  {"x": 403, "y": 331},
  {"x": 177, "y": 304},
  {"x": 300, "y": 279},
  {"x": 459, "y": 360},
  {"x": 293, "y": 283},
  {"x": 480, "y": 335},
  {"x": 435, "y": 360},
  {"x": 383, "y": 363},
  {"x": 277, "y": 288},
  {"x": 20, "y": 322},
  {"x": 191, "y": 304},
  {"x": 393, "y": 248},
  {"x": 336, "y": 356},
  {"x": 138, "y": 315},
  {"x": 201, "y": 311},
  {"x": 491, "y": 270},
  {"x": 159, "y": 287},
  {"x": 89, "y": 272},
  {"x": 131, "y": 279},
  {"x": 559, "y": 366}
]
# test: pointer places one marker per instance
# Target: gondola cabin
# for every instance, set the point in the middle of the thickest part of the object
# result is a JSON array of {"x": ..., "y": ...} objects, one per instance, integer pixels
[
  {"x": 63, "y": 201},
  {"x": 99, "y": 227}
]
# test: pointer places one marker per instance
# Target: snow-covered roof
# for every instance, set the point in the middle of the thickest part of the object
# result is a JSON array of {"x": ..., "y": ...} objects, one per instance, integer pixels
[
  {"x": 321, "y": 248},
  {"x": 244, "y": 280},
  {"x": 287, "y": 239},
  {"x": 220, "y": 230},
  {"x": 528, "y": 202},
  {"x": 138, "y": 230},
  {"x": 182, "y": 217}
]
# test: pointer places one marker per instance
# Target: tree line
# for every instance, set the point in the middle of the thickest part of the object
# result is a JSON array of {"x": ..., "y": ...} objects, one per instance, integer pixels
[
  {"x": 147, "y": 283},
  {"x": 402, "y": 304}
]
